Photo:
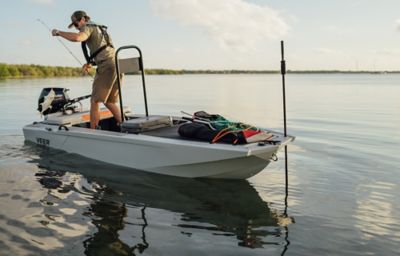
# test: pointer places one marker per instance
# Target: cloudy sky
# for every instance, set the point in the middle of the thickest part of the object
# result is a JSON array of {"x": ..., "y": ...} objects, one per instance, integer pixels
[{"x": 216, "y": 34}]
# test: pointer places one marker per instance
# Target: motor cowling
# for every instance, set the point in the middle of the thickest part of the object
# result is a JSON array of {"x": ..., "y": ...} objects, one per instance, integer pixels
[{"x": 61, "y": 98}]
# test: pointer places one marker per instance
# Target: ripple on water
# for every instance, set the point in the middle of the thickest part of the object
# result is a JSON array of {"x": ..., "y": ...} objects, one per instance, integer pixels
[
  {"x": 375, "y": 213},
  {"x": 34, "y": 218}
]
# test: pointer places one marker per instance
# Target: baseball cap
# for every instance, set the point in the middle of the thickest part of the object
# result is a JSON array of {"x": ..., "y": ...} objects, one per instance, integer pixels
[{"x": 77, "y": 16}]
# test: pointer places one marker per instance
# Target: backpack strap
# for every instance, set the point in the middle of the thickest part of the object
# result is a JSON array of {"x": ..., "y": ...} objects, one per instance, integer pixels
[{"x": 90, "y": 58}]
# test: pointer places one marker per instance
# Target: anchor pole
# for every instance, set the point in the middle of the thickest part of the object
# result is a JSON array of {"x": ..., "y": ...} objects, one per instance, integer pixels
[{"x": 283, "y": 72}]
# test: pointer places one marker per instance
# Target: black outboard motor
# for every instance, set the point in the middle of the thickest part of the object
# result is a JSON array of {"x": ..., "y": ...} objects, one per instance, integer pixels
[{"x": 61, "y": 98}]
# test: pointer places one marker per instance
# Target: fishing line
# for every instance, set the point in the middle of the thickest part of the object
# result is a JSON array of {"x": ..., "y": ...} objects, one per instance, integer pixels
[{"x": 61, "y": 42}]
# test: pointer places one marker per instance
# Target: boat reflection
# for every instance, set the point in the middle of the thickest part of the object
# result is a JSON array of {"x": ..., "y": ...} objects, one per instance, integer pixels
[{"x": 120, "y": 199}]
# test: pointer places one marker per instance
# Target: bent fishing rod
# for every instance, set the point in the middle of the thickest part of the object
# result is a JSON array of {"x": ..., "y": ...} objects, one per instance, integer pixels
[{"x": 65, "y": 46}]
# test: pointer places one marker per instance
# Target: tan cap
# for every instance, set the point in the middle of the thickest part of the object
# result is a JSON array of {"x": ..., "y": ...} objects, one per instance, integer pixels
[{"x": 77, "y": 16}]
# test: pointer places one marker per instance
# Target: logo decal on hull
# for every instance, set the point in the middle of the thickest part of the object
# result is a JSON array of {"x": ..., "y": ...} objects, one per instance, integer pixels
[{"x": 44, "y": 142}]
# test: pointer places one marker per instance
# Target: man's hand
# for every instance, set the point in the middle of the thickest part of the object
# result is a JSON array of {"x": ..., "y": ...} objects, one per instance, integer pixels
[
  {"x": 86, "y": 68},
  {"x": 55, "y": 32}
]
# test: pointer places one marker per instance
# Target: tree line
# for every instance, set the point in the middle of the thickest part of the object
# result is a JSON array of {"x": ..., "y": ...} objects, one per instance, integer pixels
[
  {"x": 207, "y": 71},
  {"x": 31, "y": 71}
]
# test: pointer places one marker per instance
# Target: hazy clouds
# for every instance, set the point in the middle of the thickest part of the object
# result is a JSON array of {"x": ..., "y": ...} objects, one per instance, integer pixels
[
  {"x": 231, "y": 23},
  {"x": 42, "y": 1}
]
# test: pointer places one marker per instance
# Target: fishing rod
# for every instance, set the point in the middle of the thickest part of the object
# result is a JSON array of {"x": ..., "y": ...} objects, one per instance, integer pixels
[{"x": 65, "y": 46}]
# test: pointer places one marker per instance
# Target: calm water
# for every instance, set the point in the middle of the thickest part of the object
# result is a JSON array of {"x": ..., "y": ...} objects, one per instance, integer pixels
[{"x": 344, "y": 183}]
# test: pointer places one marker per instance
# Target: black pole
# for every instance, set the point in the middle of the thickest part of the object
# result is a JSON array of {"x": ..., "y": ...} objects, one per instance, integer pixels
[
  {"x": 143, "y": 82},
  {"x": 283, "y": 72},
  {"x": 121, "y": 106}
]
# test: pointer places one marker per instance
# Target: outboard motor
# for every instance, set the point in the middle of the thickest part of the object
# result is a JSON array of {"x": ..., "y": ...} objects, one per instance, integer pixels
[{"x": 60, "y": 99}]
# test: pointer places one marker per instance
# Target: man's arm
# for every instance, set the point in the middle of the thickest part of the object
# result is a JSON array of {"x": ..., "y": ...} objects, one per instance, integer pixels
[{"x": 71, "y": 36}]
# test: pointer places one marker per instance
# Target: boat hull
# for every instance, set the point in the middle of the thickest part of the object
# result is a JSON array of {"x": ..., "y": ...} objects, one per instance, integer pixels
[{"x": 183, "y": 158}]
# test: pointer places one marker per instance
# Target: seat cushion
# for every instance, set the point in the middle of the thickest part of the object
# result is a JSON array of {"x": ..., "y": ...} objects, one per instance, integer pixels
[{"x": 145, "y": 123}]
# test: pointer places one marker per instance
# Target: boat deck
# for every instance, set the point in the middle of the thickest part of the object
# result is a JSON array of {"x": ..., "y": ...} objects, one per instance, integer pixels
[
  {"x": 165, "y": 132},
  {"x": 154, "y": 125}
]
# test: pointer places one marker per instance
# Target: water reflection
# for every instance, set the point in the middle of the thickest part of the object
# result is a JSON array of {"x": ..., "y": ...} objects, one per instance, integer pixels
[
  {"x": 120, "y": 201},
  {"x": 109, "y": 218},
  {"x": 375, "y": 210}
]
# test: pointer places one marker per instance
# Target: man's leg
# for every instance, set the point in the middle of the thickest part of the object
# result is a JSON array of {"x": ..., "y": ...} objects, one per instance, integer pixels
[
  {"x": 113, "y": 107},
  {"x": 94, "y": 114}
]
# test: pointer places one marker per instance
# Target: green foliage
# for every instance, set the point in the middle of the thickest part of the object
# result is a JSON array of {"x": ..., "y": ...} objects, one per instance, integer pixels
[
  {"x": 185, "y": 71},
  {"x": 4, "y": 71},
  {"x": 21, "y": 71},
  {"x": 14, "y": 71},
  {"x": 163, "y": 72}
]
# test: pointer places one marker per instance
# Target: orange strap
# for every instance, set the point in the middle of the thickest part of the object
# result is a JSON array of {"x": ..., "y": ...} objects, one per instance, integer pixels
[{"x": 103, "y": 114}]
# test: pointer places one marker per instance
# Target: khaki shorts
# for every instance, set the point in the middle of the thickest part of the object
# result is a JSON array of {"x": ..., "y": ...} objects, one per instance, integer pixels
[{"x": 105, "y": 85}]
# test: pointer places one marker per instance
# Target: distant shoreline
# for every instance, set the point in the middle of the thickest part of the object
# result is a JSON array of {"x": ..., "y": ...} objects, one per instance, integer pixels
[{"x": 39, "y": 71}]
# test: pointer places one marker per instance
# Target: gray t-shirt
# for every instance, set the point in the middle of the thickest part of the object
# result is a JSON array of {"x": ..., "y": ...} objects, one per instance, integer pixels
[{"x": 96, "y": 40}]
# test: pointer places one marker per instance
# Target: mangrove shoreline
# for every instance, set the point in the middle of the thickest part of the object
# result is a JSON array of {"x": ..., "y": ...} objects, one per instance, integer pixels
[{"x": 8, "y": 71}]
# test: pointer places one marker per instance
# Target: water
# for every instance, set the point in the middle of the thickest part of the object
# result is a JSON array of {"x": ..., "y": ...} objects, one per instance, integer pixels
[{"x": 343, "y": 184}]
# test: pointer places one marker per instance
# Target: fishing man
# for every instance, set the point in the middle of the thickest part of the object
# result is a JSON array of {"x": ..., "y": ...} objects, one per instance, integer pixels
[{"x": 102, "y": 54}]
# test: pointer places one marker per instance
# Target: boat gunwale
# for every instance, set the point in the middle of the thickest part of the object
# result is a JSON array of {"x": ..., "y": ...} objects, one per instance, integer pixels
[{"x": 130, "y": 138}]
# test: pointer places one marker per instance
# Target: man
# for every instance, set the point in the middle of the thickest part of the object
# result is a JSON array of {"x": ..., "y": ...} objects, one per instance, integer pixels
[{"x": 102, "y": 54}]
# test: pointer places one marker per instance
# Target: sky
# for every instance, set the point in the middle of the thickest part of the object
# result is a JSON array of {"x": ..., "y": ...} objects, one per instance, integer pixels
[{"x": 215, "y": 34}]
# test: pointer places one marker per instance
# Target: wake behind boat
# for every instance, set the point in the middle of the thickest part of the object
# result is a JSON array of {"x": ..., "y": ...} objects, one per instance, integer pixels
[{"x": 195, "y": 146}]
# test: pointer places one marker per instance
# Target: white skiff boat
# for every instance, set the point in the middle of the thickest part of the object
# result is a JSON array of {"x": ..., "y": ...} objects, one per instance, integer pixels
[{"x": 146, "y": 142}]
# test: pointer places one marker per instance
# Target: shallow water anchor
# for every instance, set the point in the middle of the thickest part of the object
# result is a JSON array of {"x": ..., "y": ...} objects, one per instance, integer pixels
[{"x": 283, "y": 72}]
